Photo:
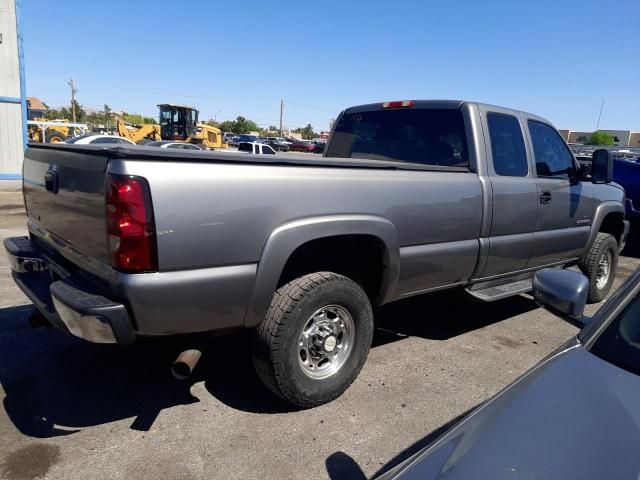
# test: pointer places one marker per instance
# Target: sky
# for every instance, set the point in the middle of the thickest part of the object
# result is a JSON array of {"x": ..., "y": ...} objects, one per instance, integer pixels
[{"x": 557, "y": 59}]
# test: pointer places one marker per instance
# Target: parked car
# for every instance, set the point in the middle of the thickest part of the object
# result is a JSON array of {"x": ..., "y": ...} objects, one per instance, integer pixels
[
  {"x": 626, "y": 172},
  {"x": 303, "y": 146},
  {"x": 98, "y": 139},
  {"x": 256, "y": 148},
  {"x": 229, "y": 138},
  {"x": 319, "y": 147},
  {"x": 173, "y": 144},
  {"x": 247, "y": 138},
  {"x": 410, "y": 197},
  {"x": 572, "y": 416},
  {"x": 278, "y": 143}
]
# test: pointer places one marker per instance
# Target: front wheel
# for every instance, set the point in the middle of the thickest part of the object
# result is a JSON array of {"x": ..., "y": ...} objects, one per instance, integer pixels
[
  {"x": 315, "y": 338},
  {"x": 600, "y": 265}
]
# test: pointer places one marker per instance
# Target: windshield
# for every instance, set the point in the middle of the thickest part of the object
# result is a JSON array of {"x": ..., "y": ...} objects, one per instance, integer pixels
[
  {"x": 620, "y": 342},
  {"x": 424, "y": 136}
]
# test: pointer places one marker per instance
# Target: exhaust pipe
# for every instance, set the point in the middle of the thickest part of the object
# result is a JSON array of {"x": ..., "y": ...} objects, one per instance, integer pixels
[{"x": 185, "y": 363}]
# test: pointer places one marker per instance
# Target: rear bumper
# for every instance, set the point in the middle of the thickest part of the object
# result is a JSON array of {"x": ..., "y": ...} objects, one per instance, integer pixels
[
  {"x": 123, "y": 306},
  {"x": 69, "y": 302}
]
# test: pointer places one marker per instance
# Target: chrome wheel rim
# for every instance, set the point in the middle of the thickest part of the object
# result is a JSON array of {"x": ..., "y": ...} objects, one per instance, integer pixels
[
  {"x": 326, "y": 341},
  {"x": 604, "y": 269}
]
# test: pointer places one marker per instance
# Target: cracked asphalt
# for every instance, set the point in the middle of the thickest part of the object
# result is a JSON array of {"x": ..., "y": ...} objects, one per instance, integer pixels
[{"x": 71, "y": 409}]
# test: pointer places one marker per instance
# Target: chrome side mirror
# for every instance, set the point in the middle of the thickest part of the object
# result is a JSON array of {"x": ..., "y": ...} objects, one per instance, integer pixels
[{"x": 562, "y": 292}]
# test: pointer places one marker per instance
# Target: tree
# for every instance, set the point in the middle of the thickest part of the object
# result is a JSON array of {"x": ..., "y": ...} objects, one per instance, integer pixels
[
  {"x": 226, "y": 126},
  {"x": 306, "y": 132},
  {"x": 239, "y": 125},
  {"x": 601, "y": 138},
  {"x": 137, "y": 119},
  {"x": 242, "y": 125}
]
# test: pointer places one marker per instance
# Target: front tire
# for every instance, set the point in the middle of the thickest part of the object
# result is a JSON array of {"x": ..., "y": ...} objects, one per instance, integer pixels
[
  {"x": 315, "y": 338},
  {"x": 600, "y": 265}
]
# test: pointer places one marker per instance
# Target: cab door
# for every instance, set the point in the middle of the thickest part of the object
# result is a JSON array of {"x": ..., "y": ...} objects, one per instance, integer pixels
[
  {"x": 565, "y": 205},
  {"x": 514, "y": 192}
]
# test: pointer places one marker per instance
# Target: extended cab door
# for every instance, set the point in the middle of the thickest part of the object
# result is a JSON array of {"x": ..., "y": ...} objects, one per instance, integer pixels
[
  {"x": 564, "y": 205},
  {"x": 514, "y": 192}
]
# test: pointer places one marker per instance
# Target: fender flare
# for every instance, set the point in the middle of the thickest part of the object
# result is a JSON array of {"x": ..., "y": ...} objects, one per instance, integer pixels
[
  {"x": 602, "y": 210},
  {"x": 284, "y": 240}
]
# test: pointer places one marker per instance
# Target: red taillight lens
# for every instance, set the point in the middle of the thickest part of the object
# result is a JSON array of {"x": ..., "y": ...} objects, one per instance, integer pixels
[
  {"x": 130, "y": 228},
  {"x": 399, "y": 104}
]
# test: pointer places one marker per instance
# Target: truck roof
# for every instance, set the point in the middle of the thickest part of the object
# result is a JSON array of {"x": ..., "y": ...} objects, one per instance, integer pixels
[{"x": 443, "y": 104}]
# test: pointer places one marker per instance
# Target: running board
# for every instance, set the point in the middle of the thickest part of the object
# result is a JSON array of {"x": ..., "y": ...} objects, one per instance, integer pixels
[{"x": 498, "y": 292}]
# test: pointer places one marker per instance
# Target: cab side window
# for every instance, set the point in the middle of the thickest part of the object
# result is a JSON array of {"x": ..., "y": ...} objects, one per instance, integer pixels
[
  {"x": 507, "y": 145},
  {"x": 553, "y": 159}
]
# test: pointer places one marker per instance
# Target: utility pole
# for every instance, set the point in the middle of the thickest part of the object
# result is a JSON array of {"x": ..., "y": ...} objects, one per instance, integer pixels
[
  {"x": 281, "y": 113},
  {"x": 600, "y": 115},
  {"x": 74, "y": 90}
]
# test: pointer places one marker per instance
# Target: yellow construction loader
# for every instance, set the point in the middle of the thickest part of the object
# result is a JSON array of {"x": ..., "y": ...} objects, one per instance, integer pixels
[
  {"x": 177, "y": 122},
  {"x": 139, "y": 133},
  {"x": 180, "y": 122},
  {"x": 41, "y": 130}
]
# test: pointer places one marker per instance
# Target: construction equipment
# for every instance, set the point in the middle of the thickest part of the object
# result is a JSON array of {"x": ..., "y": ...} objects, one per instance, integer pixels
[
  {"x": 177, "y": 122},
  {"x": 139, "y": 133},
  {"x": 53, "y": 131},
  {"x": 180, "y": 122}
]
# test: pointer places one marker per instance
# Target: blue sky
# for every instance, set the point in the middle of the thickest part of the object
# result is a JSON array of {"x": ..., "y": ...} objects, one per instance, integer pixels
[{"x": 558, "y": 59}]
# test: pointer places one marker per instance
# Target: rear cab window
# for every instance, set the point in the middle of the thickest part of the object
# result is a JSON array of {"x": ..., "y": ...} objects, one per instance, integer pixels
[
  {"x": 507, "y": 145},
  {"x": 422, "y": 136}
]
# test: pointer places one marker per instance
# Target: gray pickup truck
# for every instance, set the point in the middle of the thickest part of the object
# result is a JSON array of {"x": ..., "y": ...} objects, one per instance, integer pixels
[{"x": 410, "y": 197}]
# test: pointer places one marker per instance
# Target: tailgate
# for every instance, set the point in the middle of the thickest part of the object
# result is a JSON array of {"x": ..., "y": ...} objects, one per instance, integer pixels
[{"x": 64, "y": 195}]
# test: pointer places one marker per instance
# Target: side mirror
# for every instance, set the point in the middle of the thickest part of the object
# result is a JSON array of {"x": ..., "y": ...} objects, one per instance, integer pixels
[
  {"x": 602, "y": 166},
  {"x": 562, "y": 292}
]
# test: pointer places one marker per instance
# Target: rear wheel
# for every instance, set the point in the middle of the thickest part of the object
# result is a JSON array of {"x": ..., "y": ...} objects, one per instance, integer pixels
[
  {"x": 55, "y": 137},
  {"x": 314, "y": 339},
  {"x": 600, "y": 265}
]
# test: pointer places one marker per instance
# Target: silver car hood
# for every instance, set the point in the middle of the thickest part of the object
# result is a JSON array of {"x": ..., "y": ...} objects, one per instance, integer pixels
[{"x": 573, "y": 416}]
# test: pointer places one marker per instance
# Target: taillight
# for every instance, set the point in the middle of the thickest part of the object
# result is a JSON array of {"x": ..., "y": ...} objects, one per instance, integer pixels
[
  {"x": 130, "y": 227},
  {"x": 399, "y": 104}
]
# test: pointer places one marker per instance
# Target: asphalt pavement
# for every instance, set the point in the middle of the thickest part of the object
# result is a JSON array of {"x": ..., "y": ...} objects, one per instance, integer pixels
[{"x": 71, "y": 409}]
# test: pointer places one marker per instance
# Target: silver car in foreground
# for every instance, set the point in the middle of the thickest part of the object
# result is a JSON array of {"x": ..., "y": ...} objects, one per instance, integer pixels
[{"x": 576, "y": 415}]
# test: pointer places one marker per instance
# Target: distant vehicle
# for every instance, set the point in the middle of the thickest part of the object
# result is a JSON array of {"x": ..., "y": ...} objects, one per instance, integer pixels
[
  {"x": 93, "y": 139},
  {"x": 574, "y": 415},
  {"x": 228, "y": 138},
  {"x": 278, "y": 143},
  {"x": 319, "y": 147},
  {"x": 171, "y": 144},
  {"x": 626, "y": 172},
  {"x": 303, "y": 146},
  {"x": 248, "y": 138},
  {"x": 256, "y": 148}
]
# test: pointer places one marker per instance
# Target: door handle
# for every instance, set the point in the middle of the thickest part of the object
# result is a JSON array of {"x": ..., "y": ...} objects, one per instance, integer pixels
[
  {"x": 545, "y": 198},
  {"x": 51, "y": 181}
]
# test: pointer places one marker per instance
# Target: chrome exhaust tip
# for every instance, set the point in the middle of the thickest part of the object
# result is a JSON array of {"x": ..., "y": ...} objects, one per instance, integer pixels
[{"x": 185, "y": 363}]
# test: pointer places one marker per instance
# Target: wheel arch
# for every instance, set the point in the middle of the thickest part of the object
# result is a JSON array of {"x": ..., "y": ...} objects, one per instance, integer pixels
[
  {"x": 286, "y": 239},
  {"x": 608, "y": 218}
]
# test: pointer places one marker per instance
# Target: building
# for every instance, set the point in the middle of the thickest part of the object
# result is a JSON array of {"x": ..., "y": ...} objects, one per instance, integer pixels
[
  {"x": 13, "y": 101},
  {"x": 35, "y": 108},
  {"x": 621, "y": 138}
]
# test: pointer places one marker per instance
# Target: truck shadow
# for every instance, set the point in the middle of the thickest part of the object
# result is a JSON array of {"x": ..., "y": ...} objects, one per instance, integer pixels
[{"x": 56, "y": 384}]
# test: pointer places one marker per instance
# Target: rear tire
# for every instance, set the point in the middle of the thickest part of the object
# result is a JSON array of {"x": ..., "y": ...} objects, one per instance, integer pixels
[
  {"x": 55, "y": 137},
  {"x": 315, "y": 338},
  {"x": 600, "y": 265}
]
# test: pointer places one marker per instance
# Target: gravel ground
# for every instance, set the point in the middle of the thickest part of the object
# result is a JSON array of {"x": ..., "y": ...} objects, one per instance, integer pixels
[{"x": 76, "y": 410}]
